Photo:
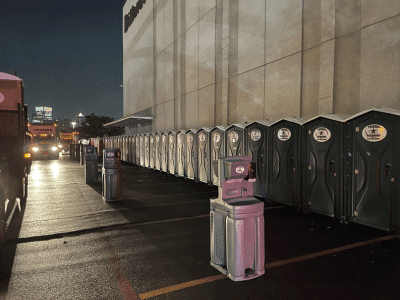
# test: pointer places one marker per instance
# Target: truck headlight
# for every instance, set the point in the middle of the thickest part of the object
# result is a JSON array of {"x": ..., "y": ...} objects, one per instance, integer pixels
[
  {"x": 54, "y": 148},
  {"x": 35, "y": 149}
]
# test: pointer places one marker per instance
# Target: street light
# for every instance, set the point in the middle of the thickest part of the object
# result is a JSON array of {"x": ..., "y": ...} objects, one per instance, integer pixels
[{"x": 73, "y": 124}]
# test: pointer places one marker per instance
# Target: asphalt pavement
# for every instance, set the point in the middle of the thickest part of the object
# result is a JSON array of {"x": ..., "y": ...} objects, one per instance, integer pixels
[{"x": 67, "y": 243}]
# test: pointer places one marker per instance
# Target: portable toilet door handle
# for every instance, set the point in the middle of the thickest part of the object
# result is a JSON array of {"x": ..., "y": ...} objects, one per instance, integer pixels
[
  {"x": 387, "y": 168},
  {"x": 331, "y": 165}
]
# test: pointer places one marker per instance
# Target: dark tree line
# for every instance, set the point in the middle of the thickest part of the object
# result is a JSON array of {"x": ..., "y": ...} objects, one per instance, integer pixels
[{"x": 93, "y": 127}]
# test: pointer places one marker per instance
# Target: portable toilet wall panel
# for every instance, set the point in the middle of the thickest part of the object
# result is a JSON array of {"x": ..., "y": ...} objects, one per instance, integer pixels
[
  {"x": 172, "y": 152},
  {"x": 218, "y": 150},
  {"x": 164, "y": 151},
  {"x": 123, "y": 148},
  {"x": 322, "y": 164},
  {"x": 372, "y": 165},
  {"x": 285, "y": 166},
  {"x": 158, "y": 150},
  {"x": 105, "y": 142},
  {"x": 191, "y": 154},
  {"x": 141, "y": 149},
  {"x": 137, "y": 143},
  {"x": 152, "y": 151},
  {"x": 235, "y": 140},
  {"x": 257, "y": 134},
  {"x": 128, "y": 149},
  {"x": 180, "y": 153},
  {"x": 146, "y": 150},
  {"x": 132, "y": 148},
  {"x": 115, "y": 142},
  {"x": 119, "y": 142},
  {"x": 204, "y": 155}
]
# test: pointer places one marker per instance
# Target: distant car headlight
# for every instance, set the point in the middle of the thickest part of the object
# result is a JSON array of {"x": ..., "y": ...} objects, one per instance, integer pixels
[
  {"x": 54, "y": 148},
  {"x": 35, "y": 149}
]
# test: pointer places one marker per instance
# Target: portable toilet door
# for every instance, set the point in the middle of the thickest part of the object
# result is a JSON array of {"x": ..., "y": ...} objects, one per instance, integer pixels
[
  {"x": 164, "y": 152},
  {"x": 204, "y": 155},
  {"x": 218, "y": 150},
  {"x": 141, "y": 149},
  {"x": 322, "y": 166},
  {"x": 119, "y": 143},
  {"x": 235, "y": 140},
  {"x": 146, "y": 150},
  {"x": 123, "y": 148},
  {"x": 372, "y": 148},
  {"x": 137, "y": 143},
  {"x": 152, "y": 151},
  {"x": 257, "y": 134},
  {"x": 126, "y": 152},
  {"x": 172, "y": 152},
  {"x": 128, "y": 149},
  {"x": 180, "y": 153},
  {"x": 191, "y": 154},
  {"x": 132, "y": 149},
  {"x": 158, "y": 151},
  {"x": 285, "y": 169}
]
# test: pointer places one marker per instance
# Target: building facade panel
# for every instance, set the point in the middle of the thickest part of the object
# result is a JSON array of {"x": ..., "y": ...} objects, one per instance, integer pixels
[
  {"x": 207, "y": 106},
  {"x": 348, "y": 17},
  {"x": 283, "y": 28},
  {"x": 258, "y": 59},
  {"x": 380, "y": 65},
  {"x": 169, "y": 72},
  {"x": 207, "y": 49},
  {"x": 374, "y": 11},
  {"x": 282, "y": 88},
  {"x": 192, "y": 58},
  {"x": 251, "y": 94},
  {"x": 169, "y": 115},
  {"x": 347, "y": 79},
  {"x": 192, "y": 110},
  {"x": 251, "y": 35}
]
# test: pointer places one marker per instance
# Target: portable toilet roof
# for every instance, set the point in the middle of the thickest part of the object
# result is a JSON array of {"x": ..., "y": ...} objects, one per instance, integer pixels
[
  {"x": 334, "y": 117},
  {"x": 220, "y": 127},
  {"x": 208, "y": 129},
  {"x": 240, "y": 125},
  {"x": 191, "y": 130},
  {"x": 377, "y": 109},
  {"x": 296, "y": 120},
  {"x": 262, "y": 122}
]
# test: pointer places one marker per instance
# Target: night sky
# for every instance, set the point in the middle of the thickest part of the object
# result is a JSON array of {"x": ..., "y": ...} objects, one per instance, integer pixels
[{"x": 68, "y": 53}]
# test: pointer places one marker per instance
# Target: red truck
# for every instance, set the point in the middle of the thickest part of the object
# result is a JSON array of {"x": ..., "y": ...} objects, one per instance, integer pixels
[
  {"x": 15, "y": 160},
  {"x": 44, "y": 141},
  {"x": 66, "y": 138}
]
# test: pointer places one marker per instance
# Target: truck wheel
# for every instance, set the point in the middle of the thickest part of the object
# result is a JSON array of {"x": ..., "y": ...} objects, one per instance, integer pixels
[
  {"x": 2, "y": 222},
  {"x": 25, "y": 190}
]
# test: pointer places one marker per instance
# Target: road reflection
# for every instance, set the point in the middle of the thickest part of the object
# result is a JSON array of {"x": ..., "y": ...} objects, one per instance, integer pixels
[
  {"x": 36, "y": 175},
  {"x": 55, "y": 167}
]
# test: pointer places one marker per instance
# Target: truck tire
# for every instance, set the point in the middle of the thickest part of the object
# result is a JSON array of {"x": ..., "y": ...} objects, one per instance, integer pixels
[
  {"x": 2, "y": 222},
  {"x": 24, "y": 190}
]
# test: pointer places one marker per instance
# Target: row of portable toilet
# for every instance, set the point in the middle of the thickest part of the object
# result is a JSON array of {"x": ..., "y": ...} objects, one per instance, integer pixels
[{"x": 337, "y": 165}]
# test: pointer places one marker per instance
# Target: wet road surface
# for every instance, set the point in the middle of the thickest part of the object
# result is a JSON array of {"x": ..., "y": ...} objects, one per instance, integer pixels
[{"x": 67, "y": 243}]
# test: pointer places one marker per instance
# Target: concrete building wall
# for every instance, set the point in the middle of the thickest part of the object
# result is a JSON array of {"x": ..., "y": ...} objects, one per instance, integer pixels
[{"x": 198, "y": 63}]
